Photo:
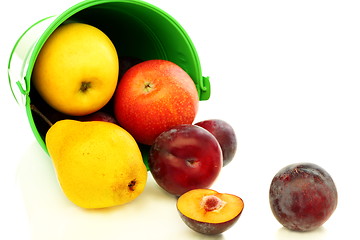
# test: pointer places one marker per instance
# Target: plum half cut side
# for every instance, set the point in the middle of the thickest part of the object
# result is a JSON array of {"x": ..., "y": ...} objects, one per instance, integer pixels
[{"x": 208, "y": 212}]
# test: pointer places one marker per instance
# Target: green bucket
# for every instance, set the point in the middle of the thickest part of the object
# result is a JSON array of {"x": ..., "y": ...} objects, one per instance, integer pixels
[{"x": 137, "y": 29}]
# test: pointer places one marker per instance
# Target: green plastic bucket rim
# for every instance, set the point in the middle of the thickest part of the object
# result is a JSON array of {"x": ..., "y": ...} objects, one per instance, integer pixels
[{"x": 202, "y": 83}]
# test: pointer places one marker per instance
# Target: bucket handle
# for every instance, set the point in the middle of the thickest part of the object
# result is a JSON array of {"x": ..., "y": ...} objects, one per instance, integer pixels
[
  {"x": 204, "y": 88},
  {"x": 22, "y": 90}
]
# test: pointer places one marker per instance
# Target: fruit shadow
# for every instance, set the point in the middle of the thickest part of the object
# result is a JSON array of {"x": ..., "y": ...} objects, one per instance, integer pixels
[
  {"x": 198, "y": 236},
  {"x": 286, "y": 234}
]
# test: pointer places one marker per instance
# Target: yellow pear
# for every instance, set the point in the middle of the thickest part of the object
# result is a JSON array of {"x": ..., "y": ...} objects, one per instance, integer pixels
[{"x": 98, "y": 164}]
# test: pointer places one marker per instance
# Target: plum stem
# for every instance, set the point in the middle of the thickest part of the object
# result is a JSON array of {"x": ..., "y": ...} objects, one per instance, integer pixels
[{"x": 38, "y": 112}]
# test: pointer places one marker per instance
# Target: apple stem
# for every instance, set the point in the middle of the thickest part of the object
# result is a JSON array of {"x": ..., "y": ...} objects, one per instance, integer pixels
[
  {"x": 85, "y": 86},
  {"x": 148, "y": 87},
  {"x": 38, "y": 112}
]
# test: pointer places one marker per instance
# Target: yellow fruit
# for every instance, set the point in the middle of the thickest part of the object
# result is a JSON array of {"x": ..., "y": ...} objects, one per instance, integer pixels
[
  {"x": 77, "y": 69},
  {"x": 98, "y": 164}
]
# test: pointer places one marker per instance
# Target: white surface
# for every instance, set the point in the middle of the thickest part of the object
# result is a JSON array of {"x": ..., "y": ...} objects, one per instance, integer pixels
[{"x": 285, "y": 74}]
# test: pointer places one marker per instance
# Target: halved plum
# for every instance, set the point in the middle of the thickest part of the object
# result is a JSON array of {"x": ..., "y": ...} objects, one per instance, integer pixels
[{"x": 208, "y": 212}]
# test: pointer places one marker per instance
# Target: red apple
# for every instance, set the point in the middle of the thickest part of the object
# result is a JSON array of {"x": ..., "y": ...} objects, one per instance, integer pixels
[
  {"x": 154, "y": 96},
  {"x": 225, "y": 135},
  {"x": 185, "y": 157}
]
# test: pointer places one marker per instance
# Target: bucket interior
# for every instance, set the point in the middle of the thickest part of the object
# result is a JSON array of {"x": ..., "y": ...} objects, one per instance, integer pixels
[
  {"x": 143, "y": 31},
  {"x": 139, "y": 31}
]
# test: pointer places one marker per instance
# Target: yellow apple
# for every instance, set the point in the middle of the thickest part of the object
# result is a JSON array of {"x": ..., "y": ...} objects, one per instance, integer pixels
[{"x": 76, "y": 71}]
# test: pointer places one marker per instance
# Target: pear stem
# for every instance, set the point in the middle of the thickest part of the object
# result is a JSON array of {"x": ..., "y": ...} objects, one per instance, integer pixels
[{"x": 38, "y": 112}]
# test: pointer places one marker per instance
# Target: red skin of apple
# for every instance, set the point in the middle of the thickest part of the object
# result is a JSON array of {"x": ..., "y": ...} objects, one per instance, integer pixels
[
  {"x": 225, "y": 135},
  {"x": 302, "y": 196},
  {"x": 154, "y": 96},
  {"x": 185, "y": 157}
]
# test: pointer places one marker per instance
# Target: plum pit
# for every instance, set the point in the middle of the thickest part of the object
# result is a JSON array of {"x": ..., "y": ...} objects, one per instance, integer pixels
[{"x": 212, "y": 203}]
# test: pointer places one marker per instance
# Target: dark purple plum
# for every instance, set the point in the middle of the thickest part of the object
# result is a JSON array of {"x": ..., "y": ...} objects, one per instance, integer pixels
[
  {"x": 225, "y": 135},
  {"x": 184, "y": 158},
  {"x": 98, "y": 116},
  {"x": 302, "y": 196}
]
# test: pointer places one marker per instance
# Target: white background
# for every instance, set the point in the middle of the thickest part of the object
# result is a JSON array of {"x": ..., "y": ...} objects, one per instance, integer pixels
[{"x": 285, "y": 74}]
